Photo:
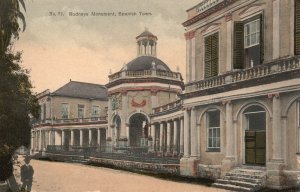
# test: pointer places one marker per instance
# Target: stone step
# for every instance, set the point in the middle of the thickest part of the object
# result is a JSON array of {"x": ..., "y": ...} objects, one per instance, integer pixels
[
  {"x": 239, "y": 183},
  {"x": 246, "y": 175},
  {"x": 232, "y": 187},
  {"x": 245, "y": 179},
  {"x": 250, "y": 171},
  {"x": 259, "y": 173}
]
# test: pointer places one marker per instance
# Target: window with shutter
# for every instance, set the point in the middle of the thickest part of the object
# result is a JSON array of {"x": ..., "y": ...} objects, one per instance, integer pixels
[
  {"x": 211, "y": 55},
  {"x": 248, "y": 49},
  {"x": 238, "y": 52},
  {"x": 297, "y": 27}
]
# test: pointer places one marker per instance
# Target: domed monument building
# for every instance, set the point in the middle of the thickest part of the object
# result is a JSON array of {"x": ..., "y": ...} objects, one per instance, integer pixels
[{"x": 141, "y": 85}]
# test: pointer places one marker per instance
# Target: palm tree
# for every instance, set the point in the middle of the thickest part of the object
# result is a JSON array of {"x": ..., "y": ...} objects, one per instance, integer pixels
[{"x": 10, "y": 14}]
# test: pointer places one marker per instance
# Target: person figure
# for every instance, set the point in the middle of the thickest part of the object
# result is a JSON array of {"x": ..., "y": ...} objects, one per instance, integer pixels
[{"x": 26, "y": 175}]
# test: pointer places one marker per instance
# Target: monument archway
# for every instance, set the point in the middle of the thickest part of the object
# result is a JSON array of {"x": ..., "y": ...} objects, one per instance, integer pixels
[{"x": 138, "y": 130}]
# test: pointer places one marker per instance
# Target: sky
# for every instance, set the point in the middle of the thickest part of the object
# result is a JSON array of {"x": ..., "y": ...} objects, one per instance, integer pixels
[{"x": 86, "y": 48}]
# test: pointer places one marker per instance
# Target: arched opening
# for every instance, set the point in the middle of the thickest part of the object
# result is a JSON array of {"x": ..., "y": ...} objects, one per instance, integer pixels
[
  {"x": 117, "y": 127},
  {"x": 138, "y": 130},
  {"x": 255, "y": 135}
]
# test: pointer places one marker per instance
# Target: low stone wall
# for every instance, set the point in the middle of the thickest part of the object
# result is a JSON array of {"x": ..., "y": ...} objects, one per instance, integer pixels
[
  {"x": 172, "y": 169},
  {"x": 209, "y": 171},
  {"x": 63, "y": 157}
]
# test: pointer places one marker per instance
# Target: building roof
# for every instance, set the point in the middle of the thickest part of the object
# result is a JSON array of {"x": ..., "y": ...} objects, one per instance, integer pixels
[
  {"x": 82, "y": 90},
  {"x": 146, "y": 33},
  {"x": 145, "y": 63}
]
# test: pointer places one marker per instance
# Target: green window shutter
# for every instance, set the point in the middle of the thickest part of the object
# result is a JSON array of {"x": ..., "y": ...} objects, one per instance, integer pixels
[
  {"x": 207, "y": 56},
  {"x": 238, "y": 47},
  {"x": 211, "y": 57},
  {"x": 215, "y": 54},
  {"x": 297, "y": 27},
  {"x": 262, "y": 51}
]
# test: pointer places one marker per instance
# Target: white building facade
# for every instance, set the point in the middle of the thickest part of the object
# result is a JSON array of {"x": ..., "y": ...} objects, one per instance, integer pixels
[{"x": 241, "y": 99}]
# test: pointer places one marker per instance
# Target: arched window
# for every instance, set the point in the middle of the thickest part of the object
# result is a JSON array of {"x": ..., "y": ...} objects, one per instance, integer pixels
[{"x": 213, "y": 130}]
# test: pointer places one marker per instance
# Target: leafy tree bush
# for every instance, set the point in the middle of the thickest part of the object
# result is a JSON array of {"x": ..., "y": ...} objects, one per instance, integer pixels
[{"x": 17, "y": 101}]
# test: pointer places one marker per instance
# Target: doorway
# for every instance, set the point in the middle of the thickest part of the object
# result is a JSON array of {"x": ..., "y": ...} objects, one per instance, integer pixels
[{"x": 255, "y": 136}]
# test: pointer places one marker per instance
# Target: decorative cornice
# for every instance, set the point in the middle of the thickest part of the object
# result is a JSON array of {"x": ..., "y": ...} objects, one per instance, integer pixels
[
  {"x": 190, "y": 35},
  {"x": 225, "y": 102},
  {"x": 154, "y": 91},
  {"x": 143, "y": 89},
  {"x": 250, "y": 6},
  {"x": 124, "y": 92},
  {"x": 145, "y": 80},
  {"x": 244, "y": 84},
  {"x": 228, "y": 17},
  {"x": 209, "y": 26},
  {"x": 208, "y": 12},
  {"x": 271, "y": 95}
]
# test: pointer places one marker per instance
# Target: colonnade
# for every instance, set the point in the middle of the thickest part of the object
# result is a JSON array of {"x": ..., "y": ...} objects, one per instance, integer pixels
[
  {"x": 167, "y": 137},
  {"x": 67, "y": 139},
  {"x": 146, "y": 47}
]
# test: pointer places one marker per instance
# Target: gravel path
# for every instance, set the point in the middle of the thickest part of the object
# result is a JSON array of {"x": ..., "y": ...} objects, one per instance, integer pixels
[{"x": 66, "y": 177}]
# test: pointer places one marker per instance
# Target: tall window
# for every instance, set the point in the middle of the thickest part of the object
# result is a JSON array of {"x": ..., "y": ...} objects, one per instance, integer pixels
[
  {"x": 248, "y": 43},
  {"x": 95, "y": 111},
  {"x": 213, "y": 130},
  {"x": 80, "y": 111},
  {"x": 297, "y": 27},
  {"x": 211, "y": 55},
  {"x": 64, "y": 111}
]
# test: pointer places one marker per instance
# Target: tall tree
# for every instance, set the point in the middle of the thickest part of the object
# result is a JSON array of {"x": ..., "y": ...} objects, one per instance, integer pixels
[{"x": 17, "y": 102}]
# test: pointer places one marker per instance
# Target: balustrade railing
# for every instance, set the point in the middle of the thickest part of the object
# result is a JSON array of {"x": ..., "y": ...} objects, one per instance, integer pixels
[
  {"x": 274, "y": 67},
  {"x": 145, "y": 73},
  {"x": 73, "y": 120},
  {"x": 137, "y": 154},
  {"x": 167, "y": 107}
]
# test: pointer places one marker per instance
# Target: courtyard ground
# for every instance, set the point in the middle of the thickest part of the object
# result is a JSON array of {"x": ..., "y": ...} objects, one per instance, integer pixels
[{"x": 66, "y": 177}]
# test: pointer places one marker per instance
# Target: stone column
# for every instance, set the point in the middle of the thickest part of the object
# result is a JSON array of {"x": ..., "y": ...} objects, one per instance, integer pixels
[
  {"x": 181, "y": 136},
  {"x": 98, "y": 137},
  {"x": 193, "y": 59},
  {"x": 276, "y": 175},
  {"x": 154, "y": 49},
  {"x": 154, "y": 98},
  {"x": 229, "y": 160},
  {"x": 188, "y": 43},
  {"x": 127, "y": 132},
  {"x": 31, "y": 142},
  {"x": 277, "y": 132},
  {"x": 63, "y": 138},
  {"x": 161, "y": 138},
  {"x": 230, "y": 133},
  {"x": 175, "y": 150},
  {"x": 148, "y": 48},
  {"x": 194, "y": 133},
  {"x": 276, "y": 29},
  {"x": 81, "y": 137},
  {"x": 186, "y": 153},
  {"x": 72, "y": 137},
  {"x": 229, "y": 37},
  {"x": 49, "y": 136},
  {"x": 152, "y": 134},
  {"x": 40, "y": 139},
  {"x": 90, "y": 137},
  {"x": 168, "y": 137}
]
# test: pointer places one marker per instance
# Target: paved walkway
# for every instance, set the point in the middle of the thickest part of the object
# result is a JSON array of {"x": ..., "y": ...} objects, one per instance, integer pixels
[{"x": 65, "y": 177}]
